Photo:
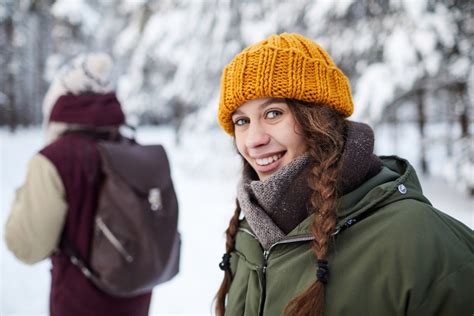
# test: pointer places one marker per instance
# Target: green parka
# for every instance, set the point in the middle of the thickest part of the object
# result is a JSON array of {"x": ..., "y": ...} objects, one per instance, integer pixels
[{"x": 394, "y": 254}]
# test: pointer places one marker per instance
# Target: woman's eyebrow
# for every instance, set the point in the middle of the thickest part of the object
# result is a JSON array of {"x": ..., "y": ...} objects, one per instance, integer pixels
[
  {"x": 237, "y": 112},
  {"x": 271, "y": 101},
  {"x": 263, "y": 105}
]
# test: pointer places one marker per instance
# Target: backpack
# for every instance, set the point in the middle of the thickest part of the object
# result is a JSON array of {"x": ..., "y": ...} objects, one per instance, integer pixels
[{"x": 135, "y": 243}]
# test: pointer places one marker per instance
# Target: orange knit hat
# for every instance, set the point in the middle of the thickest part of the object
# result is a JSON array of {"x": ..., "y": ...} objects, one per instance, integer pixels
[{"x": 283, "y": 66}]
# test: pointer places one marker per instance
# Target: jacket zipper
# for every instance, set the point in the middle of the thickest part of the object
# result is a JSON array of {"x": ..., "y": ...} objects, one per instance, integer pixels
[
  {"x": 292, "y": 239},
  {"x": 245, "y": 230},
  {"x": 113, "y": 240},
  {"x": 266, "y": 254}
]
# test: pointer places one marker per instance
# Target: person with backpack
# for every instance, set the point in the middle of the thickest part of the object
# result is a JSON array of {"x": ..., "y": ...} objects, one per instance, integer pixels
[
  {"x": 322, "y": 225},
  {"x": 54, "y": 212}
]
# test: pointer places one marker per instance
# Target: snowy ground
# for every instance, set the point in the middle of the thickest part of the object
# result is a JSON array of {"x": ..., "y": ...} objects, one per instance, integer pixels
[{"x": 204, "y": 168}]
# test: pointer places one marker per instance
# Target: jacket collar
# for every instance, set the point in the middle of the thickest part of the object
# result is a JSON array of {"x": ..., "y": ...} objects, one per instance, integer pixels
[{"x": 396, "y": 181}]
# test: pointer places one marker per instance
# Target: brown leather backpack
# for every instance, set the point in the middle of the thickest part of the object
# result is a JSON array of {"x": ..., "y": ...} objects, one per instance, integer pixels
[{"x": 135, "y": 245}]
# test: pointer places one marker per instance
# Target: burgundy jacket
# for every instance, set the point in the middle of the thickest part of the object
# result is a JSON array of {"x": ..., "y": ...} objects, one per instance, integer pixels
[{"x": 77, "y": 161}]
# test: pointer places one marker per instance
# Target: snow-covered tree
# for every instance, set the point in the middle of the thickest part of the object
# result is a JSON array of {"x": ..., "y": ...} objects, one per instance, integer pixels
[{"x": 410, "y": 62}]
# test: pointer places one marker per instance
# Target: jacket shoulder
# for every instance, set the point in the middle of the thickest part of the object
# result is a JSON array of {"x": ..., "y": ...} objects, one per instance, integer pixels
[
  {"x": 72, "y": 151},
  {"x": 65, "y": 144},
  {"x": 433, "y": 251},
  {"x": 416, "y": 220}
]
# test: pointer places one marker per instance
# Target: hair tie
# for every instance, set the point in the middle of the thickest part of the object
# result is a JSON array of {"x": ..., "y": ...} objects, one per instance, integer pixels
[
  {"x": 323, "y": 271},
  {"x": 225, "y": 263}
]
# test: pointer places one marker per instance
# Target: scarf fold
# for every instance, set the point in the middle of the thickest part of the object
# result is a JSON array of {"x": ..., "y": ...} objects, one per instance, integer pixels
[{"x": 275, "y": 206}]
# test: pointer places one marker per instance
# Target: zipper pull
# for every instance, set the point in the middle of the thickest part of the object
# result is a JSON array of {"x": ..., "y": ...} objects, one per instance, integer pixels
[
  {"x": 346, "y": 225},
  {"x": 266, "y": 253}
]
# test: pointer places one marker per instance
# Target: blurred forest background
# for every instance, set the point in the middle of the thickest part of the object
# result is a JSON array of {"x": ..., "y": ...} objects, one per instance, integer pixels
[{"x": 410, "y": 62}]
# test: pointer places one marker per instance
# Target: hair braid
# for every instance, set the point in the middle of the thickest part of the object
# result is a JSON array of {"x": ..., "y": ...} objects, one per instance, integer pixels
[
  {"x": 230, "y": 233},
  {"x": 324, "y": 132}
]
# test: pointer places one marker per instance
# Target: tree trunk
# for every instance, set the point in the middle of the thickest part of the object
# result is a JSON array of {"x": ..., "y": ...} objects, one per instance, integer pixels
[
  {"x": 11, "y": 115},
  {"x": 420, "y": 101},
  {"x": 461, "y": 92}
]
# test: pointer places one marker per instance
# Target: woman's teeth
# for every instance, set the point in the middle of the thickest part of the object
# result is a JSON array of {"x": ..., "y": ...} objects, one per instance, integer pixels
[{"x": 268, "y": 160}]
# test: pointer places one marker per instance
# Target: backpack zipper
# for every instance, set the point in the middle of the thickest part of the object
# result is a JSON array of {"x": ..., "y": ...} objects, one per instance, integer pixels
[{"x": 113, "y": 240}]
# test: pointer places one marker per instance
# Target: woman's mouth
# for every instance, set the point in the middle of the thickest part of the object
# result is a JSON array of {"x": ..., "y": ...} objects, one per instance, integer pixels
[
  {"x": 268, "y": 160},
  {"x": 268, "y": 165}
]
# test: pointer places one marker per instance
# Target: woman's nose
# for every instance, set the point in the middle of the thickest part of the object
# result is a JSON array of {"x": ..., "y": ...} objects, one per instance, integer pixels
[{"x": 257, "y": 136}]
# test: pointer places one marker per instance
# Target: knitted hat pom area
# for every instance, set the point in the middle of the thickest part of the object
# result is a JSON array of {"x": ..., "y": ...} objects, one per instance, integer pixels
[
  {"x": 283, "y": 66},
  {"x": 86, "y": 73}
]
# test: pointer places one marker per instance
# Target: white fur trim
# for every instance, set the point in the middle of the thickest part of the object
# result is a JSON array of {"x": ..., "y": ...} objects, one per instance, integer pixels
[{"x": 53, "y": 130}]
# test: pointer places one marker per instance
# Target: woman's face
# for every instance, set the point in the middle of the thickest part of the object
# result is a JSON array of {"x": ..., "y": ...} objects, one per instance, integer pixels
[{"x": 267, "y": 135}]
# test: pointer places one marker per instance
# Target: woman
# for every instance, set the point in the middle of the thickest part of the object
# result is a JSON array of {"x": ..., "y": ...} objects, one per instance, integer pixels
[{"x": 327, "y": 227}]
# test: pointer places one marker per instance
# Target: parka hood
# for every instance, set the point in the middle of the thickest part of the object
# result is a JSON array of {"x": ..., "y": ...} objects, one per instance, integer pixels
[{"x": 396, "y": 181}]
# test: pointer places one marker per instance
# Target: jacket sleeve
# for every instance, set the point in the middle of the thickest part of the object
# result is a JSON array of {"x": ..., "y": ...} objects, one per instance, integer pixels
[{"x": 38, "y": 213}]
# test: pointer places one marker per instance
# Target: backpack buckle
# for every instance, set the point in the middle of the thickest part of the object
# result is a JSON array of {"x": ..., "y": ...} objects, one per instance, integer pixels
[{"x": 155, "y": 200}]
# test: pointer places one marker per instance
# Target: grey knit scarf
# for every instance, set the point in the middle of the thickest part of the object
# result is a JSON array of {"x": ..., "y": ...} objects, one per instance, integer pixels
[{"x": 275, "y": 206}]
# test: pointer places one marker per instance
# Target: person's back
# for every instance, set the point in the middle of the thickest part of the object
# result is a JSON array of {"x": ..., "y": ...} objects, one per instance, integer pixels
[
  {"x": 57, "y": 203},
  {"x": 76, "y": 158}
]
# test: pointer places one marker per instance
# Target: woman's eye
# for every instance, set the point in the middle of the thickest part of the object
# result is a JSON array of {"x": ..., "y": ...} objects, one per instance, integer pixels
[
  {"x": 272, "y": 114},
  {"x": 241, "y": 121}
]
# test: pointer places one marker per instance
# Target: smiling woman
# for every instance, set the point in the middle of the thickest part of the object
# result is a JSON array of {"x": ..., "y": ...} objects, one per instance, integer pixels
[
  {"x": 267, "y": 135},
  {"x": 328, "y": 227}
]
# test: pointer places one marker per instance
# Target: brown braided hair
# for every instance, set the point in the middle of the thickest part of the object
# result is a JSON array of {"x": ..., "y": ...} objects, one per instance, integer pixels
[
  {"x": 323, "y": 129},
  {"x": 229, "y": 247}
]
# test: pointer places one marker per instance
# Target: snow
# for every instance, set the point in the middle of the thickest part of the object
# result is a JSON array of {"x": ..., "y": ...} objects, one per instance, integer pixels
[
  {"x": 205, "y": 168},
  {"x": 127, "y": 39},
  {"x": 320, "y": 9},
  {"x": 401, "y": 57},
  {"x": 3, "y": 13},
  {"x": 77, "y": 12},
  {"x": 372, "y": 91},
  {"x": 444, "y": 26},
  {"x": 415, "y": 8}
]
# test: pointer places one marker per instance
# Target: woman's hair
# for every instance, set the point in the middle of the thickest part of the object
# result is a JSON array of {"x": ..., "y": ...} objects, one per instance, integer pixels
[
  {"x": 229, "y": 246},
  {"x": 323, "y": 130}
]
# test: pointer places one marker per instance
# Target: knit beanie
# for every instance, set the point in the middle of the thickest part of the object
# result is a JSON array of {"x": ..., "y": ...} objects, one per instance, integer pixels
[
  {"x": 283, "y": 66},
  {"x": 86, "y": 73}
]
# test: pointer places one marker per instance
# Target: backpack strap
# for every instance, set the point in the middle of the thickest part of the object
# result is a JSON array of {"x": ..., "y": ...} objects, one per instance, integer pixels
[{"x": 76, "y": 259}]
